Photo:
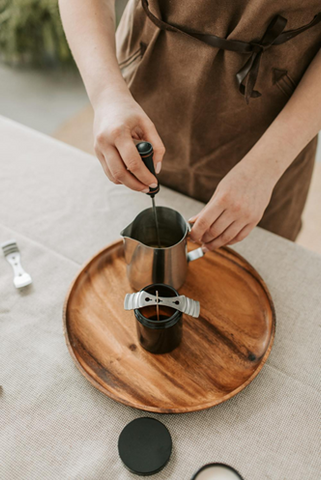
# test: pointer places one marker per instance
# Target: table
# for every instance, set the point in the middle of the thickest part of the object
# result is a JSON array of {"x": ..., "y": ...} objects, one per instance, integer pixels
[{"x": 61, "y": 209}]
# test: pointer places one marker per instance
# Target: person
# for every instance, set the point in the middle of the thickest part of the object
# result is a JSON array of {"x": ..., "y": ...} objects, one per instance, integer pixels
[{"x": 232, "y": 89}]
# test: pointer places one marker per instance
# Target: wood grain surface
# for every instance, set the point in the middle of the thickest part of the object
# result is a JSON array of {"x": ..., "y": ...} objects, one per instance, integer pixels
[{"x": 221, "y": 351}]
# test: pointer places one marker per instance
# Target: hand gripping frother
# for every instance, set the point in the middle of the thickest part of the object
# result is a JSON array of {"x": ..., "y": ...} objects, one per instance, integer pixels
[{"x": 145, "y": 150}]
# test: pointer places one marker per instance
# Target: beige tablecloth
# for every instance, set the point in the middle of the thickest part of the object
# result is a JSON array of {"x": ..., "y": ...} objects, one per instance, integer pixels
[{"x": 58, "y": 205}]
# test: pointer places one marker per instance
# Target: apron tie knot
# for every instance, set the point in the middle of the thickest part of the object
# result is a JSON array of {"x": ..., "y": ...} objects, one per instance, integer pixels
[
  {"x": 246, "y": 77},
  {"x": 249, "y": 71},
  {"x": 257, "y": 48}
]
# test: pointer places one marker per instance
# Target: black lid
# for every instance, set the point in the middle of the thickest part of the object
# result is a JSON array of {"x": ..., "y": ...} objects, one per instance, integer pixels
[
  {"x": 144, "y": 148},
  {"x": 145, "y": 446}
]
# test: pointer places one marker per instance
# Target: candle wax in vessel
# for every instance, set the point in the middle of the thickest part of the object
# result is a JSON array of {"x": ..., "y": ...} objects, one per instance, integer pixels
[{"x": 217, "y": 472}]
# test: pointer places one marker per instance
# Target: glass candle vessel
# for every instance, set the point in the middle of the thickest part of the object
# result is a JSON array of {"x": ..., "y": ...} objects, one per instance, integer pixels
[
  {"x": 217, "y": 471},
  {"x": 159, "y": 329}
]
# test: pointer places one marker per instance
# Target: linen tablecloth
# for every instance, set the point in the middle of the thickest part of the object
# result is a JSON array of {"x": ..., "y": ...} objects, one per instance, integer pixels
[{"x": 58, "y": 205}]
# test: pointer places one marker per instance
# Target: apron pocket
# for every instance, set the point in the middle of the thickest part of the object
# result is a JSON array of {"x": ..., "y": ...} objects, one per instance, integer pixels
[
  {"x": 129, "y": 59},
  {"x": 130, "y": 64},
  {"x": 283, "y": 81}
]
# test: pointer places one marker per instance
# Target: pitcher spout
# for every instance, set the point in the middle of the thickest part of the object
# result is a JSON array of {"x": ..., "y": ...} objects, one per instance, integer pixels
[
  {"x": 135, "y": 230},
  {"x": 126, "y": 232},
  {"x": 129, "y": 235}
]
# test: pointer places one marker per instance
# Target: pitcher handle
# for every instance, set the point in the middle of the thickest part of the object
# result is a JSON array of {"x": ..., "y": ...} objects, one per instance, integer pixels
[{"x": 195, "y": 254}]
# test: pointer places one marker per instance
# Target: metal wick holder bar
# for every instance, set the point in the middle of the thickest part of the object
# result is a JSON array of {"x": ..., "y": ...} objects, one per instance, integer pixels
[{"x": 144, "y": 299}]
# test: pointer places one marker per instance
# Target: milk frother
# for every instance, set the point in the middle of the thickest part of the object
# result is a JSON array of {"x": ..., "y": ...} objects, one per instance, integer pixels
[{"x": 145, "y": 150}]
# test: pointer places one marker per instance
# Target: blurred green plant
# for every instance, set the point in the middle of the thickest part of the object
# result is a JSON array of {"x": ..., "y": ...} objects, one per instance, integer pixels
[{"x": 31, "y": 33}]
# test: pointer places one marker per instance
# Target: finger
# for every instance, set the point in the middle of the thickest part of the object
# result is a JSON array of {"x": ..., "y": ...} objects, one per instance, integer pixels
[
  {"x": 204, "y": 220},
  {"x": 133, "y": 162},
  {"x": 242, "y": 234},
  {"x": 218, "y": 227},
  {"x": 192, "y": 219},
  {"x": 191, "y": 222},
  {"x": 231, "y": 232},
  {"x": 152, "y": 136},
  {"x": 120, "y": 173},
  {"x": 104, "y": 165}
]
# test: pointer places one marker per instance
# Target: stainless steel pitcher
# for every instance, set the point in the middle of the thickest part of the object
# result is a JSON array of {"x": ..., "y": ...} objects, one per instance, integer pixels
[{"x": 146, "y": 263}]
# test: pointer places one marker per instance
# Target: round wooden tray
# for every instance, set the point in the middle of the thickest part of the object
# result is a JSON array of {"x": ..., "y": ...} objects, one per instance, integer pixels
[{"x": 222, "y": 351}]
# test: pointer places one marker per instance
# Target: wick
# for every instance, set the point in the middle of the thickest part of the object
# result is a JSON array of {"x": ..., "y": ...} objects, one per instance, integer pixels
[{"x": 157, "y": 306}]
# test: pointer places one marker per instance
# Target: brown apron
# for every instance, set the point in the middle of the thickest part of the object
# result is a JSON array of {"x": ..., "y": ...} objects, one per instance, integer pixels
[{"x": 212, "y": 76}]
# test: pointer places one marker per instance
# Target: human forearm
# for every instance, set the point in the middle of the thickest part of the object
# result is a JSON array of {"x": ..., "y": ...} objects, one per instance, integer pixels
[
  {"x": 293, "y": 128},
  {"x": 119, "y": 120},
  {"x": 243, "y": 194},
  {"x": 90, "y": 30}
]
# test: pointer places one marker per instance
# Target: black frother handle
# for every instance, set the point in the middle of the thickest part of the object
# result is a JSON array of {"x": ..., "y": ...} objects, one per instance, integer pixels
[{"x": 145, "y": 150}]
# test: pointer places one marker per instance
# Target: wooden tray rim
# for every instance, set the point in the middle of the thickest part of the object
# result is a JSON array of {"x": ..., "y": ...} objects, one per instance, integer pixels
[{"x": 204, "y": 406}]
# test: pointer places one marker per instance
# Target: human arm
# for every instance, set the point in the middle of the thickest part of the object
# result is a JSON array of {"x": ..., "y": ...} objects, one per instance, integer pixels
[
  {"x": 119, "y": 120},
  {"x": 242, "y": 196}
]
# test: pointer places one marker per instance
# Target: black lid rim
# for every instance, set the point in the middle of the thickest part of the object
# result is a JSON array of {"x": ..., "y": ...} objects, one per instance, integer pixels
[
  {"x": 147, "y": 474},
  {"x": 216, "y": 464}
]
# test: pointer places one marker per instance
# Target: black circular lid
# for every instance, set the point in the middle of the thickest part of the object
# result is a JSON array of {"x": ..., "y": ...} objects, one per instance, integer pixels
[
  {"x": 145, "y": 446},
  {"x": 144, "y": 147}
]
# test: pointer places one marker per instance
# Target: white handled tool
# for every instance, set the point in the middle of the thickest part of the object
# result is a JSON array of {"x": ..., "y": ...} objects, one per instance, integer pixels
[{"x": 11, "y": 252}]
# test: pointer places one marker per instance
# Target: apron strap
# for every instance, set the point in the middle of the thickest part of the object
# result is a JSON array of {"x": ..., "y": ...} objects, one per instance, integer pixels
[
  {"x": 289, "y": 34},
  {"x": 274, "y": 35}
]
